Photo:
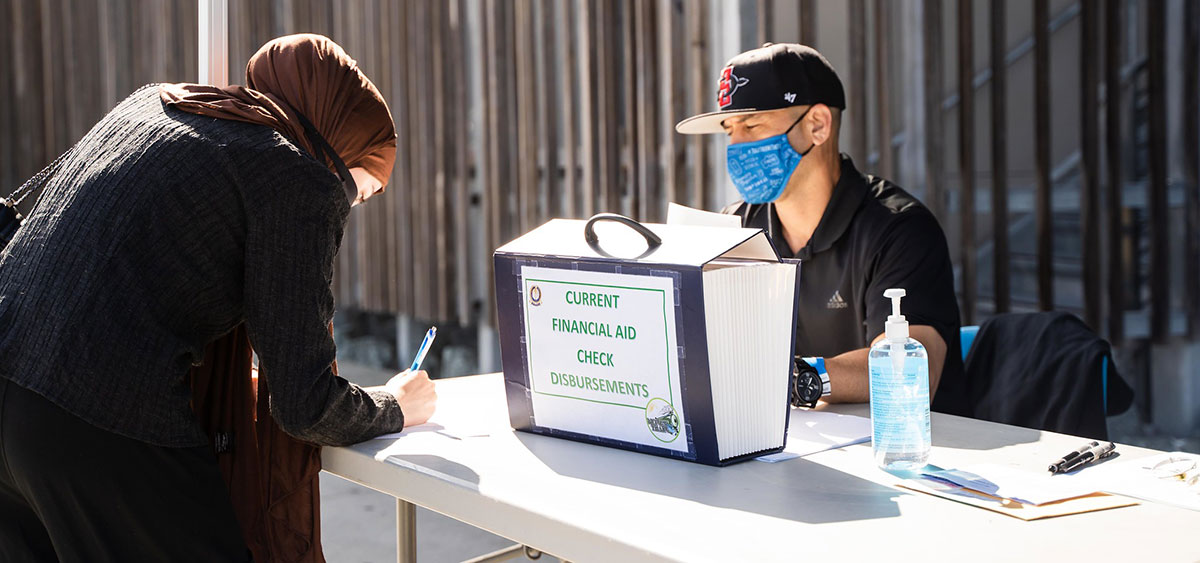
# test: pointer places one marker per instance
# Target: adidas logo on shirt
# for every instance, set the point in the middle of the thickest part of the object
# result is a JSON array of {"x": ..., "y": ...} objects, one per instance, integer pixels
[{"x": 836, "y": 302}]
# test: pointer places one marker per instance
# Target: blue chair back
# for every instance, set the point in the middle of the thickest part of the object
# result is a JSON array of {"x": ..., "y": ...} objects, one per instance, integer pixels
[{"x": 967, "y": 338}]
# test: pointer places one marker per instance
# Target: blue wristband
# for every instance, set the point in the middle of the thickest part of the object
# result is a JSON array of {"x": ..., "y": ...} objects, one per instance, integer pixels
[{"x": 817, "y": 363}]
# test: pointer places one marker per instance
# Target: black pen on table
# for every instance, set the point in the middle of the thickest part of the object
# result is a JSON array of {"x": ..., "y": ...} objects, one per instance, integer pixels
[
  {"x": 1056, "y": 466},
  {"x": 1093, "y": 452}
]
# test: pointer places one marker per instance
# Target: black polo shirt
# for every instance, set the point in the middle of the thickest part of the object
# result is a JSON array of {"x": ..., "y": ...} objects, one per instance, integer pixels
[{"x": 872, "y": 236}]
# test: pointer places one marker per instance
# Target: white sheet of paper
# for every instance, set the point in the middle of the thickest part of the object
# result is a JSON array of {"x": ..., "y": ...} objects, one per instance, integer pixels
[
  {"x": 812, "y": 431},
  {"x": 684, "y": 215},
  {"x": 1021, "y": 485},
  {"x": 1136, "y": 478}
]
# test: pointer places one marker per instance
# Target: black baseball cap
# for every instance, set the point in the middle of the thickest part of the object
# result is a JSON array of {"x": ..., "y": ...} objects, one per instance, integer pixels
[{"x": 774, "y": 76}]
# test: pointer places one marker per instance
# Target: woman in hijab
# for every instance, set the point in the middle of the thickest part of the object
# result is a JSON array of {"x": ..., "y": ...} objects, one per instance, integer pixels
[{"x": 189, "y": 225}]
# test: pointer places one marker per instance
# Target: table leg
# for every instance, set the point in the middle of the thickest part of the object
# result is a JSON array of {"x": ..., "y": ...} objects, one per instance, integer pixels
[{"x": 406, "y": 531}]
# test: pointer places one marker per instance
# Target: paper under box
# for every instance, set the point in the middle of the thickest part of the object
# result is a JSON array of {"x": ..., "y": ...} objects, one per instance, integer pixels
[{"x": 683, "y": 352}]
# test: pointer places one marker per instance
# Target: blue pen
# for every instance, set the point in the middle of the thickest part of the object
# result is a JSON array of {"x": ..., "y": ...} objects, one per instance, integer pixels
[{"x": 424, "y": 349}]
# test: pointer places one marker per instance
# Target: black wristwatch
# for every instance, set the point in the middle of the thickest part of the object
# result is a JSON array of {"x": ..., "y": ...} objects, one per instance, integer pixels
[{"x": 809, "y": 383}]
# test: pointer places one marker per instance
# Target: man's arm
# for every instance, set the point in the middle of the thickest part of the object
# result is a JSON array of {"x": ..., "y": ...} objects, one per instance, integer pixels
[{"x": 848, "y": 376}]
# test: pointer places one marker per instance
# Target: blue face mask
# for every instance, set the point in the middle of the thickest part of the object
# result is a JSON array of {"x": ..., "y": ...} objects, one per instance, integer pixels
[{"x": 760, "y": 169}]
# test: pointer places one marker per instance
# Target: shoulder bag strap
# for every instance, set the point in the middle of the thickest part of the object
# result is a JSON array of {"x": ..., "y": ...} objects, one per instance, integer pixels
[{"x": 35, "y": 183}]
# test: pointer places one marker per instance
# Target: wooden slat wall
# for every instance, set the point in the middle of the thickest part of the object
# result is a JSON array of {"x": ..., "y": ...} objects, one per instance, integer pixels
[
  {"x": 573, "y": 119},
  {"x": 511, "y": 112},
  {"x": 66, "y": 63},
  {"x": 572, "y": 115},
  {"x": 575, "y": 112}
]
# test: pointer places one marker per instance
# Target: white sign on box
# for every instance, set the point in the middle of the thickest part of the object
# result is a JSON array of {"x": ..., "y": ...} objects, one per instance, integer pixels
[{"x": 602, "y": 355}]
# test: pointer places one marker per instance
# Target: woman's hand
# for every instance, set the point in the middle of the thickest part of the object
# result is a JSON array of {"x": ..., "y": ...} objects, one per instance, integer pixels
[{"x": 416, "y": 394}]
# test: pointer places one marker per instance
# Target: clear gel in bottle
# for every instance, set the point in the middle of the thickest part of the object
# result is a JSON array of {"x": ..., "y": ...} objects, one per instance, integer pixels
[{"x": 899, "y": 370}]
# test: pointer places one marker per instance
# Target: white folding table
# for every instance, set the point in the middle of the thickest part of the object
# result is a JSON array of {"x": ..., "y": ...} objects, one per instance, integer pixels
[{"x": 584, "y": 502}]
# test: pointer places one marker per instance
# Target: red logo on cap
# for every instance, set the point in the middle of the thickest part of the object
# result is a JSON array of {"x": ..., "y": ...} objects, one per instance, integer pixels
[{"x": 729, "y": 84}]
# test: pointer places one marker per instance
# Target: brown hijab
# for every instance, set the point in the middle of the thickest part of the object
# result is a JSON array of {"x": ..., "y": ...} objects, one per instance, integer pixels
[
  {"x": 272, "y": 477},
  {"x": 314, "y": 76}
]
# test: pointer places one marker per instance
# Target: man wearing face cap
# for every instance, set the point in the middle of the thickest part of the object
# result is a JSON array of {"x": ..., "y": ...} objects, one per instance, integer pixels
[
  {"x": 191, "y": 224},
  {"x": 855, "y": 234}
]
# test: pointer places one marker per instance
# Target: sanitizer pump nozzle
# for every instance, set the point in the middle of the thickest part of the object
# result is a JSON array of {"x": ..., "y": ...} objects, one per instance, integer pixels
[{"x": 896, "y": 327}]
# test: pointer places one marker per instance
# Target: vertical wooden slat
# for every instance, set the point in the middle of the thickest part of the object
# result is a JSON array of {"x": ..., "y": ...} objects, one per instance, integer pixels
[
  {"x": 8, "y": 176},
  {"x": 675, "y": 69},
  {"x": 618, "y": 119},
  {"x": 932, "y": 45},
  {"x": 549, "y": 110},
  {"x": 1113, "y": 155},
  {"x": 418, "y": 273},
  {"x": 122, "y": 69},
  {"x": 239, "y": 44},
  {"x": 461, "y": 135},
  {"x": 648, "y": 90},
  {"x": 857, "y": 104},
  {"x": 380, "y": 72},
  {"x": 1189, "y": 62},
  {"x": 492, "y": 93},
  {"x": 347, "y": 258},
  {"x": 1090, "y": 165},
  {"x": 570, "y": 143},
  {"x": 350, "y": 33},
  {"x": 428, "y": 188},
  {"x": 46, "y": 57},
  {"x": 700, "y": 100},
  {"x": 599, "y": 25},
  {"x": 765, "y": 16},
  {"x": 629, "y": 110},
  {"x": 512, "y": 128},
  {"x": 67, "y": 121},
  {"x": 608, "y": 91},
  {"x": 188, "y": 41},
  {"x": 347, "y": 29},
  {"x": 1156, "y": 196},
  {"x": 441, "y": 185},
  {"x": 966, "y": 157},
  {"x": 357, "y": 229},
  {"x": 364, "y": 45},
  {"x": 30, "y": 154},
  {"x": 284, "y": 21},
  {"x": 883, "y": 89},
  {"x": 402, "y": 187},
  {"x": 1000, "y": 256},
  {"x": 1041, "y": 124},
  {"x": 383, "y": 81},
  {"x": 808, "y": 23},
  {"x": 159, "y": 15},
  {"x": 107, "y": 52},
  {"x": 587, "y": 107},
  {"x": 524, "y": 81}
]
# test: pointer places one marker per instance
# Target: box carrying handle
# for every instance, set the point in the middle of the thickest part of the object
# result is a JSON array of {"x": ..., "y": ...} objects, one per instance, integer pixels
[{"x": 589, "y": 233}]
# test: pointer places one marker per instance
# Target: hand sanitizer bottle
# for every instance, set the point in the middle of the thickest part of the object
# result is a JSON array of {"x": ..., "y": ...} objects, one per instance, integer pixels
[{"x": 899, "y": 368}]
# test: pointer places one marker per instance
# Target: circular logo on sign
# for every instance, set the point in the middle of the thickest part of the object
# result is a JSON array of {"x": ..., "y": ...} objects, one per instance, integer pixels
[
  {"x": 662, "y": 420},
  {"x": 535, "y": 296}
]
